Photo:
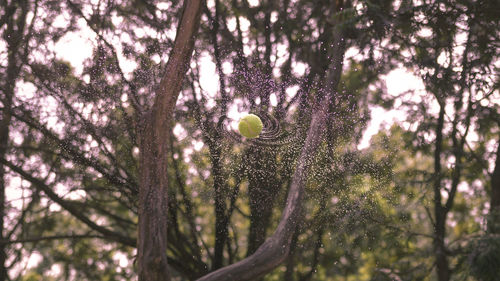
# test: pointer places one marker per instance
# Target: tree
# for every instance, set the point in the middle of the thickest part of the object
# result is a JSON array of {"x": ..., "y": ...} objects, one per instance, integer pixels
[
  {"x": 448, "y": 53},
  {"x": 19, "y": 34},
  {"x": 137, "y": 137}
]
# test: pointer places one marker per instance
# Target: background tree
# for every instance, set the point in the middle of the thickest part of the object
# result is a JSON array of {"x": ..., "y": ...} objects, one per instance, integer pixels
[{"x": 455, "y": 65}]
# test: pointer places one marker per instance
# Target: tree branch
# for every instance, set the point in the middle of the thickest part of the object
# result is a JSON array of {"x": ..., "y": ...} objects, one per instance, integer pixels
[
  {"x": 155, "y": 130},
  {"x": 53, "y": 237},
  {"x": 109, "y": 234}
]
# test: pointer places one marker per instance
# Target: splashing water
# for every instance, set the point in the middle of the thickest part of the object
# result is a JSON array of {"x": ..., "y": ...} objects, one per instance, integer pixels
[{"x": 272, "y": 133}]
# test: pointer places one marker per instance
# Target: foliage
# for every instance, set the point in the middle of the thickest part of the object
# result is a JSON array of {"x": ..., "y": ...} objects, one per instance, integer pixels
[{"x": 72, "y": 141}]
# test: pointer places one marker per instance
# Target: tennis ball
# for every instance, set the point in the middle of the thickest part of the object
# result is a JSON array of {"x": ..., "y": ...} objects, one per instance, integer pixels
[{"x": 250, "y": 126}]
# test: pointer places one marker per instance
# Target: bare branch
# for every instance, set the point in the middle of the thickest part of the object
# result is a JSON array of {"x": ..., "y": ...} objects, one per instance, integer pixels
[
  {"x": 68, "y": 206},
  {"x": 53, "y": 237}
]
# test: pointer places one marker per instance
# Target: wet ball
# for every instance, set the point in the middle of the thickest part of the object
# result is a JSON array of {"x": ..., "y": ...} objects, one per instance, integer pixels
[{"x": 250, "y": 126}]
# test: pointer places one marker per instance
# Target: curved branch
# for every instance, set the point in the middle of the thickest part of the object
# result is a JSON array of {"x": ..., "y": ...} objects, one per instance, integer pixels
[{"x": 275, "y": 249}]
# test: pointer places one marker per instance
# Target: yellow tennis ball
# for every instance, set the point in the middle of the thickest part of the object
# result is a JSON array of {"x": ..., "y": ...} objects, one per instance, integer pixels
[{"x": 250, "y": 126}]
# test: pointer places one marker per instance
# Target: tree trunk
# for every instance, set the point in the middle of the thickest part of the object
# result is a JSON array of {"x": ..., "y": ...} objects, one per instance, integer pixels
[
  {"x": 13, "y": 33},
  {"x": 263, "y": 186},
  {"x": 440, "y": 213},
  {"x": 152, "y": 232},
  {"x": 494, "y": 215},
  {"x": 4, "y": 140},
  {"x": 220, "y": 189}
]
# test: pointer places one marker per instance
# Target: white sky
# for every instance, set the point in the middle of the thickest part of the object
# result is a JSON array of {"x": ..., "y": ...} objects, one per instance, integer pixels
[{"x": 397, "y": 81}]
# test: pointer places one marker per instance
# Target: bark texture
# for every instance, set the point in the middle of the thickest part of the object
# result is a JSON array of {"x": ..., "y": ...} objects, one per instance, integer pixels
[{"x": 153, "y": 199}]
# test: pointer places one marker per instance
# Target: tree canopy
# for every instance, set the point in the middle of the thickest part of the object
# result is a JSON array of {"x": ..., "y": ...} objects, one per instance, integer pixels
[{"x": 120, "y": 158}]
